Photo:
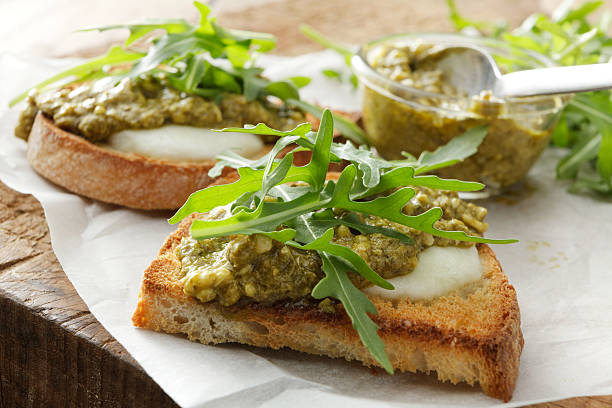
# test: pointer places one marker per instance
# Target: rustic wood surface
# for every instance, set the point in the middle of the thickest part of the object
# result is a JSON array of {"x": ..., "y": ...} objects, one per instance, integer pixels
[{"x": 53, "y": 352}]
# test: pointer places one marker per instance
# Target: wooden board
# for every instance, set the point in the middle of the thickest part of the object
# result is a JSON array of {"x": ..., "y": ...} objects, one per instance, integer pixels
[{"x": 52, "y": 351}]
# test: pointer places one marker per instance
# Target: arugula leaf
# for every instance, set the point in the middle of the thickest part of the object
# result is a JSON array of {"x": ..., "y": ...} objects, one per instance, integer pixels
[
  {"x": 581, "y": 12},
  {"x": 189, "y": 80},
  {"x": 266, "y": 217},
  {"x": 589, "y": 184},
  {"x": 461, "y": 22},
  {"x": 568, "y": 166},
  {"x": 283, "y": 89},
  {"x": 371, "y": 167},
  {"x": 348, "y": 128},
  {"x": 270, "y": 215},
  {"x": 336, "y": 284},
  {"x": 233, "y": 159},
  {"x": 367, "y": 163},
  {"x": 204, "y": 59},
  {"x": 299, "y": 81},
  {"x": 141, "y": 29},
  {"x": 263, "y": 129},
  {"x": 316, "y": 36},
  {"x": 457, "y": 149},
  {"x": 321, "y": 153},
  {"x": 561, "y": 134},
  {"x": 330, "y": 73},
  {"x": 262, "y": 42},
  {"x": 604, "y": 156},
  {"x": 323, "y": 243},
  {"x": 402, "y": 176},
  {"x": 390, "y": 207},
  {"x": 325, "y": 219},
  {"x": 220, "y": 195}
]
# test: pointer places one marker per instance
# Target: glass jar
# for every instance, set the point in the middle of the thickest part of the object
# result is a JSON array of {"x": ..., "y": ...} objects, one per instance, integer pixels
[{"x": 400, "y": 118}]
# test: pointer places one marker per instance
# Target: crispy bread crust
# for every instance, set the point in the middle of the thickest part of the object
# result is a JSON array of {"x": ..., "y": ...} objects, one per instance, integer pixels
[{"x": 471, "y": 338}]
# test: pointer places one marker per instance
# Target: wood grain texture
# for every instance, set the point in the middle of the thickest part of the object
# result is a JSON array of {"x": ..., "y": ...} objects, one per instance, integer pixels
[{"x": 52, "y": 351}]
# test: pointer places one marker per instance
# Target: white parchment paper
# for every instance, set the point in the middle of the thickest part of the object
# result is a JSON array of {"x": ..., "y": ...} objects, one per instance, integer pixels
[{"x": 562, "y": 271}]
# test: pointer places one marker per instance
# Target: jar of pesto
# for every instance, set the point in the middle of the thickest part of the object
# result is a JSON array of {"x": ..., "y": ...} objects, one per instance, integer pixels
[{"x": 408, "y": 107}]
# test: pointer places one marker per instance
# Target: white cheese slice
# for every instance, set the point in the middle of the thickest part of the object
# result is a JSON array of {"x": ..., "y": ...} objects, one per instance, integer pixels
[
  {"x": 440, "y": 270},
  {"x": 183, "y": 143}
]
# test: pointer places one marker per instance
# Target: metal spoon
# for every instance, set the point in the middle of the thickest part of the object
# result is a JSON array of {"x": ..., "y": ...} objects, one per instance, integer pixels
[{"x": 473, "y": 70}]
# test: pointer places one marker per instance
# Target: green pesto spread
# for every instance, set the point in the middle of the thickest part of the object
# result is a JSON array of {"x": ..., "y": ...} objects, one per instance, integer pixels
[
  {"x": 98, "y": 109},
  {"x": 418, "y": 122},
  {"x": 257, "y": 268}
]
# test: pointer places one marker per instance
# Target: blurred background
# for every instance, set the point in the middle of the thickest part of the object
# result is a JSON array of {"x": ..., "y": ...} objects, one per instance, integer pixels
[{"x": 47, "y": 28}]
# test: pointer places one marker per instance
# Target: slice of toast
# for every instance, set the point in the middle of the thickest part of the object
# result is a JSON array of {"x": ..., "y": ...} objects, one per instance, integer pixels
[
  {"x": 472, "y": 336},
  {"x": 111, "y": 176},
  {"x": 126, "y": 179}
]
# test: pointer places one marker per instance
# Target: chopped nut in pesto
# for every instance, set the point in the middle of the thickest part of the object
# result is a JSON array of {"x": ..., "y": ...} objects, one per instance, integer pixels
[
  {"x": 98, "y": 109},
  {"x": 257, "y": 268}
]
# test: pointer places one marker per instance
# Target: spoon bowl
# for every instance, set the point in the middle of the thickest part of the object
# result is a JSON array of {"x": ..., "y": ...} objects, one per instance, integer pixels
[
  {"x": 469, "y": 69},
  {"x": 472, "y": 70}
]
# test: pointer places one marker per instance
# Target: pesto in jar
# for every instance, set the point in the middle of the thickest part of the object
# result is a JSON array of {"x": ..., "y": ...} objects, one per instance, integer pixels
[
  {"x": 99, "y": 109},
  {"x": 257, "y": 268},
  {"x": 419, "y": 111}
]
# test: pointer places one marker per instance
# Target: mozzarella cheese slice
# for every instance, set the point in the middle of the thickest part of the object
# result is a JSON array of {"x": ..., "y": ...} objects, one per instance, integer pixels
[
  {"x": 440, "y": 270},
  {"x": 183, "y": 143}
]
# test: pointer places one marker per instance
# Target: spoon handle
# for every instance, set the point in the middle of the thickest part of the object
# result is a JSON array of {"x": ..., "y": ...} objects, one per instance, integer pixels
[{"x": 557, "y": 80}]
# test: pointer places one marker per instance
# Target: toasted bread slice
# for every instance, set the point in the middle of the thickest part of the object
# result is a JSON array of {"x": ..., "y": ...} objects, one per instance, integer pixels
[
  {"x": 473, "y": 337},
  {"x": 126, "y": 179},
  {"x": 111, "y": 176}
]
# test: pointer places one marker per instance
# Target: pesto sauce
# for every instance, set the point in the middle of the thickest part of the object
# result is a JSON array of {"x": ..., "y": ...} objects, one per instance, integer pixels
[
  {"x": 99, "y": 109},
  {"x": 257, "y": 268}
]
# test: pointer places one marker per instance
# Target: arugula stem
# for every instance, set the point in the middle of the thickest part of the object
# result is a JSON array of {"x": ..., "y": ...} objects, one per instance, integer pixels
[
  {"x": 588, "y": 109},
  {"x": 348, "y": 128},
  {"x": 316, "y": 36}
]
